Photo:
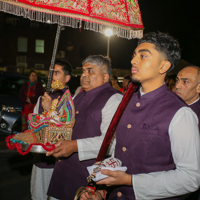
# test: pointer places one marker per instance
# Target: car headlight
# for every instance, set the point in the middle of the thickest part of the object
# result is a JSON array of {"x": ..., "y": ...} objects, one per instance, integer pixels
[{"x": 8, "y": 108}]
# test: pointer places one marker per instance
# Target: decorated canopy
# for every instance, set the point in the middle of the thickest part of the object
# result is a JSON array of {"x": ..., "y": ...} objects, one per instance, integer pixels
[{"x": 122, "y": 16}]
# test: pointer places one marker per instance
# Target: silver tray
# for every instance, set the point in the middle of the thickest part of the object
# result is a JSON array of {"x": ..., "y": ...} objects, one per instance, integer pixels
[{"x": 35, "y": 148}]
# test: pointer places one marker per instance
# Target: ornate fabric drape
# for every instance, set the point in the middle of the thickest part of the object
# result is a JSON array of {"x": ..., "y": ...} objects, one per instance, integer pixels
[{"x": 122, "y": 16}]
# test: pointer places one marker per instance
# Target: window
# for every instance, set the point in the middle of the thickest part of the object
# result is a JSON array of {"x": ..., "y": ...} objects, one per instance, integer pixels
[
  {"x": 39, "y": 66},
  {"x": 12, "y": 21},
  {"x": 39, "y": 46},
  {"x": 22, "y": 44}
]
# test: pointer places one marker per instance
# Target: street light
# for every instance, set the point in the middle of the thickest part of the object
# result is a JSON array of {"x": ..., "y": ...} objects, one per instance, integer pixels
[{"x": 108, "y": 33}]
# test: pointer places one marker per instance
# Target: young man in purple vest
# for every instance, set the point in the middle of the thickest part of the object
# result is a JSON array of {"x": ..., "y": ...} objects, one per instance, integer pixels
[
  {"x": 43, "y": 166},
  {"x": 157, "y": 137},
  {"x": 94, "y": 108},
  {"x": 188, "y": 87}
]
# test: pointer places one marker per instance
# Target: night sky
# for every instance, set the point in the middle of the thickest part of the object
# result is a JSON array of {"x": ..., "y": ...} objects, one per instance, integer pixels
[{"x": 179, "y": 18}]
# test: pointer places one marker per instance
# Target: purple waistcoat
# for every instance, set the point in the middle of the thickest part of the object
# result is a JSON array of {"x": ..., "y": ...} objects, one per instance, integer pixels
[
  {"x": 70, "y": 174},
  {"x": 41, "y": 160},
  {"x": 196, "y": 108},
  {"x": 142, "y": 139}
]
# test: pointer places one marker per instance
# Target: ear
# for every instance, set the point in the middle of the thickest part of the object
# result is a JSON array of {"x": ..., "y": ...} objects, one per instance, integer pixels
[
  {"x": 67, "y": 78},
  {"x": 106, "y": 78},
  {"x": 198, "y": 88},
  {"x": 165, "y": 65}
]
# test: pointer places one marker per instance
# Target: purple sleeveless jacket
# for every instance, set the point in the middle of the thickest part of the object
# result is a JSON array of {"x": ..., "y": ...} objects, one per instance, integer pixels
[
  {"x": 142, "y": 139},
  {"x": 196, "y": 108},
  {"x": 70, "y": 174}
]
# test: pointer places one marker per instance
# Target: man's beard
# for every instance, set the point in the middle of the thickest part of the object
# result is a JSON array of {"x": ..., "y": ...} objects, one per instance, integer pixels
[{"x": 135, "y": 81}]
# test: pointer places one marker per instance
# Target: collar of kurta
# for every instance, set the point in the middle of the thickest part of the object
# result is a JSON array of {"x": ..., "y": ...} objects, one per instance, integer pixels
[
  {"x": 153, "y": 93},
  {"x": 195, "y": 104},
  {"x": 97, "y": 89}
]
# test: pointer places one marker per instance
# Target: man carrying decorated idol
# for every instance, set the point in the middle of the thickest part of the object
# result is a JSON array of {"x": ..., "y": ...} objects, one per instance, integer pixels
[
  {"x": 94, "y": 109},
  {"x": 43, "y": 166}
]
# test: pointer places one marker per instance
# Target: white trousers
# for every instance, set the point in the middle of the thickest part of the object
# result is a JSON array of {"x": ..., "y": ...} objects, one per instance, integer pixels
[{"x": 40, "y": 179}]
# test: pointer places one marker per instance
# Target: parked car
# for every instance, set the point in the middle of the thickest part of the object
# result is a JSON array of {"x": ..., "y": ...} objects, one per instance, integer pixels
[{"x": 10, "y": 105}]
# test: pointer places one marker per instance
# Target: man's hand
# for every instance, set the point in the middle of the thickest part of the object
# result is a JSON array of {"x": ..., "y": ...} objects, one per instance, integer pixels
[
  {"x": 46, "y": 102},
  {"x": 89, "y": 196},
  {"x": 28, "y": 100},
  {"x": 64, "y": 148},
  {"x": 115, "y": 178}
]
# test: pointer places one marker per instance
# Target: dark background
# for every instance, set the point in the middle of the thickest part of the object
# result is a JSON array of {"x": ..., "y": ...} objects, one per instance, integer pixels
[{"x": 179, "y": 18}]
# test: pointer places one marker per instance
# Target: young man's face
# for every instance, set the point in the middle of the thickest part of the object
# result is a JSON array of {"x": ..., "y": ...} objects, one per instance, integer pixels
[
  {"x": 146, "y": 63},
  {"x": 92, "y": 77},
  {"x": 33, "y": 77},
  {"x": 58, "y": 74},
  {"x": 187, "y": 84}
]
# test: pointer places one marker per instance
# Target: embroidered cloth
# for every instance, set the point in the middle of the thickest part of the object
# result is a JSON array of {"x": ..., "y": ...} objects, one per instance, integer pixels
[{"x": 123, "y": 16}]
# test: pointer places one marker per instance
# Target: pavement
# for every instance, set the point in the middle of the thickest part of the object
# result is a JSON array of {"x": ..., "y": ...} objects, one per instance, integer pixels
[{"x": 15, "y": 173}]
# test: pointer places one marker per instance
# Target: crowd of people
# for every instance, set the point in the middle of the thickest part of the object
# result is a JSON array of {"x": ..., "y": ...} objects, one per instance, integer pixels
[{"x": 157, "y": 138}]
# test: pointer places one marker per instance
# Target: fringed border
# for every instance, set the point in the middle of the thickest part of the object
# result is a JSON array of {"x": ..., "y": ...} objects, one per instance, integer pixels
[
  {"x": 72, "y": 20},
  {"x": 120, "y": 32}
]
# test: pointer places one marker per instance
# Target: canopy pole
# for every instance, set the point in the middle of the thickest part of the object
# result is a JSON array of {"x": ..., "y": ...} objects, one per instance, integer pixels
[
  {"x": 108, "y": 47},
  {"x": 53, "y": 59}
]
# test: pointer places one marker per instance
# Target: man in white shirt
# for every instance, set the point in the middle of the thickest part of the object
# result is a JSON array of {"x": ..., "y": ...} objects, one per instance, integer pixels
[
  {"x": 94, "y": 108},
  {"x": 157, "y": 138},
  {"x": 188, "y": 88},
  {"x": 43, "y": 166}
]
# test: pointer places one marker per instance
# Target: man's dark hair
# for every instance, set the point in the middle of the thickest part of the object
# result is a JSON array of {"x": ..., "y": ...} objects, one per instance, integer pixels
[
  {"x": 32, "y": 71},
  {"x": 165, "y": 44},
  {"x": 171, "y": 76},
  {"x": 66, "y": 66},
  {"x": 100, "y": 61},
  {"x": 114, "y": 77},
  {"x": 128, "y": 77}
]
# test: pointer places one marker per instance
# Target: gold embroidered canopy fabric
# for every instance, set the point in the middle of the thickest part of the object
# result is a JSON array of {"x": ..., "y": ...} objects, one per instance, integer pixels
[{"x": 123, "y": 16}]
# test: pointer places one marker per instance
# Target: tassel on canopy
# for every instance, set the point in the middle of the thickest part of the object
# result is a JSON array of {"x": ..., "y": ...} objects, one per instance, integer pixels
[{"x": 70, "y": 19}]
